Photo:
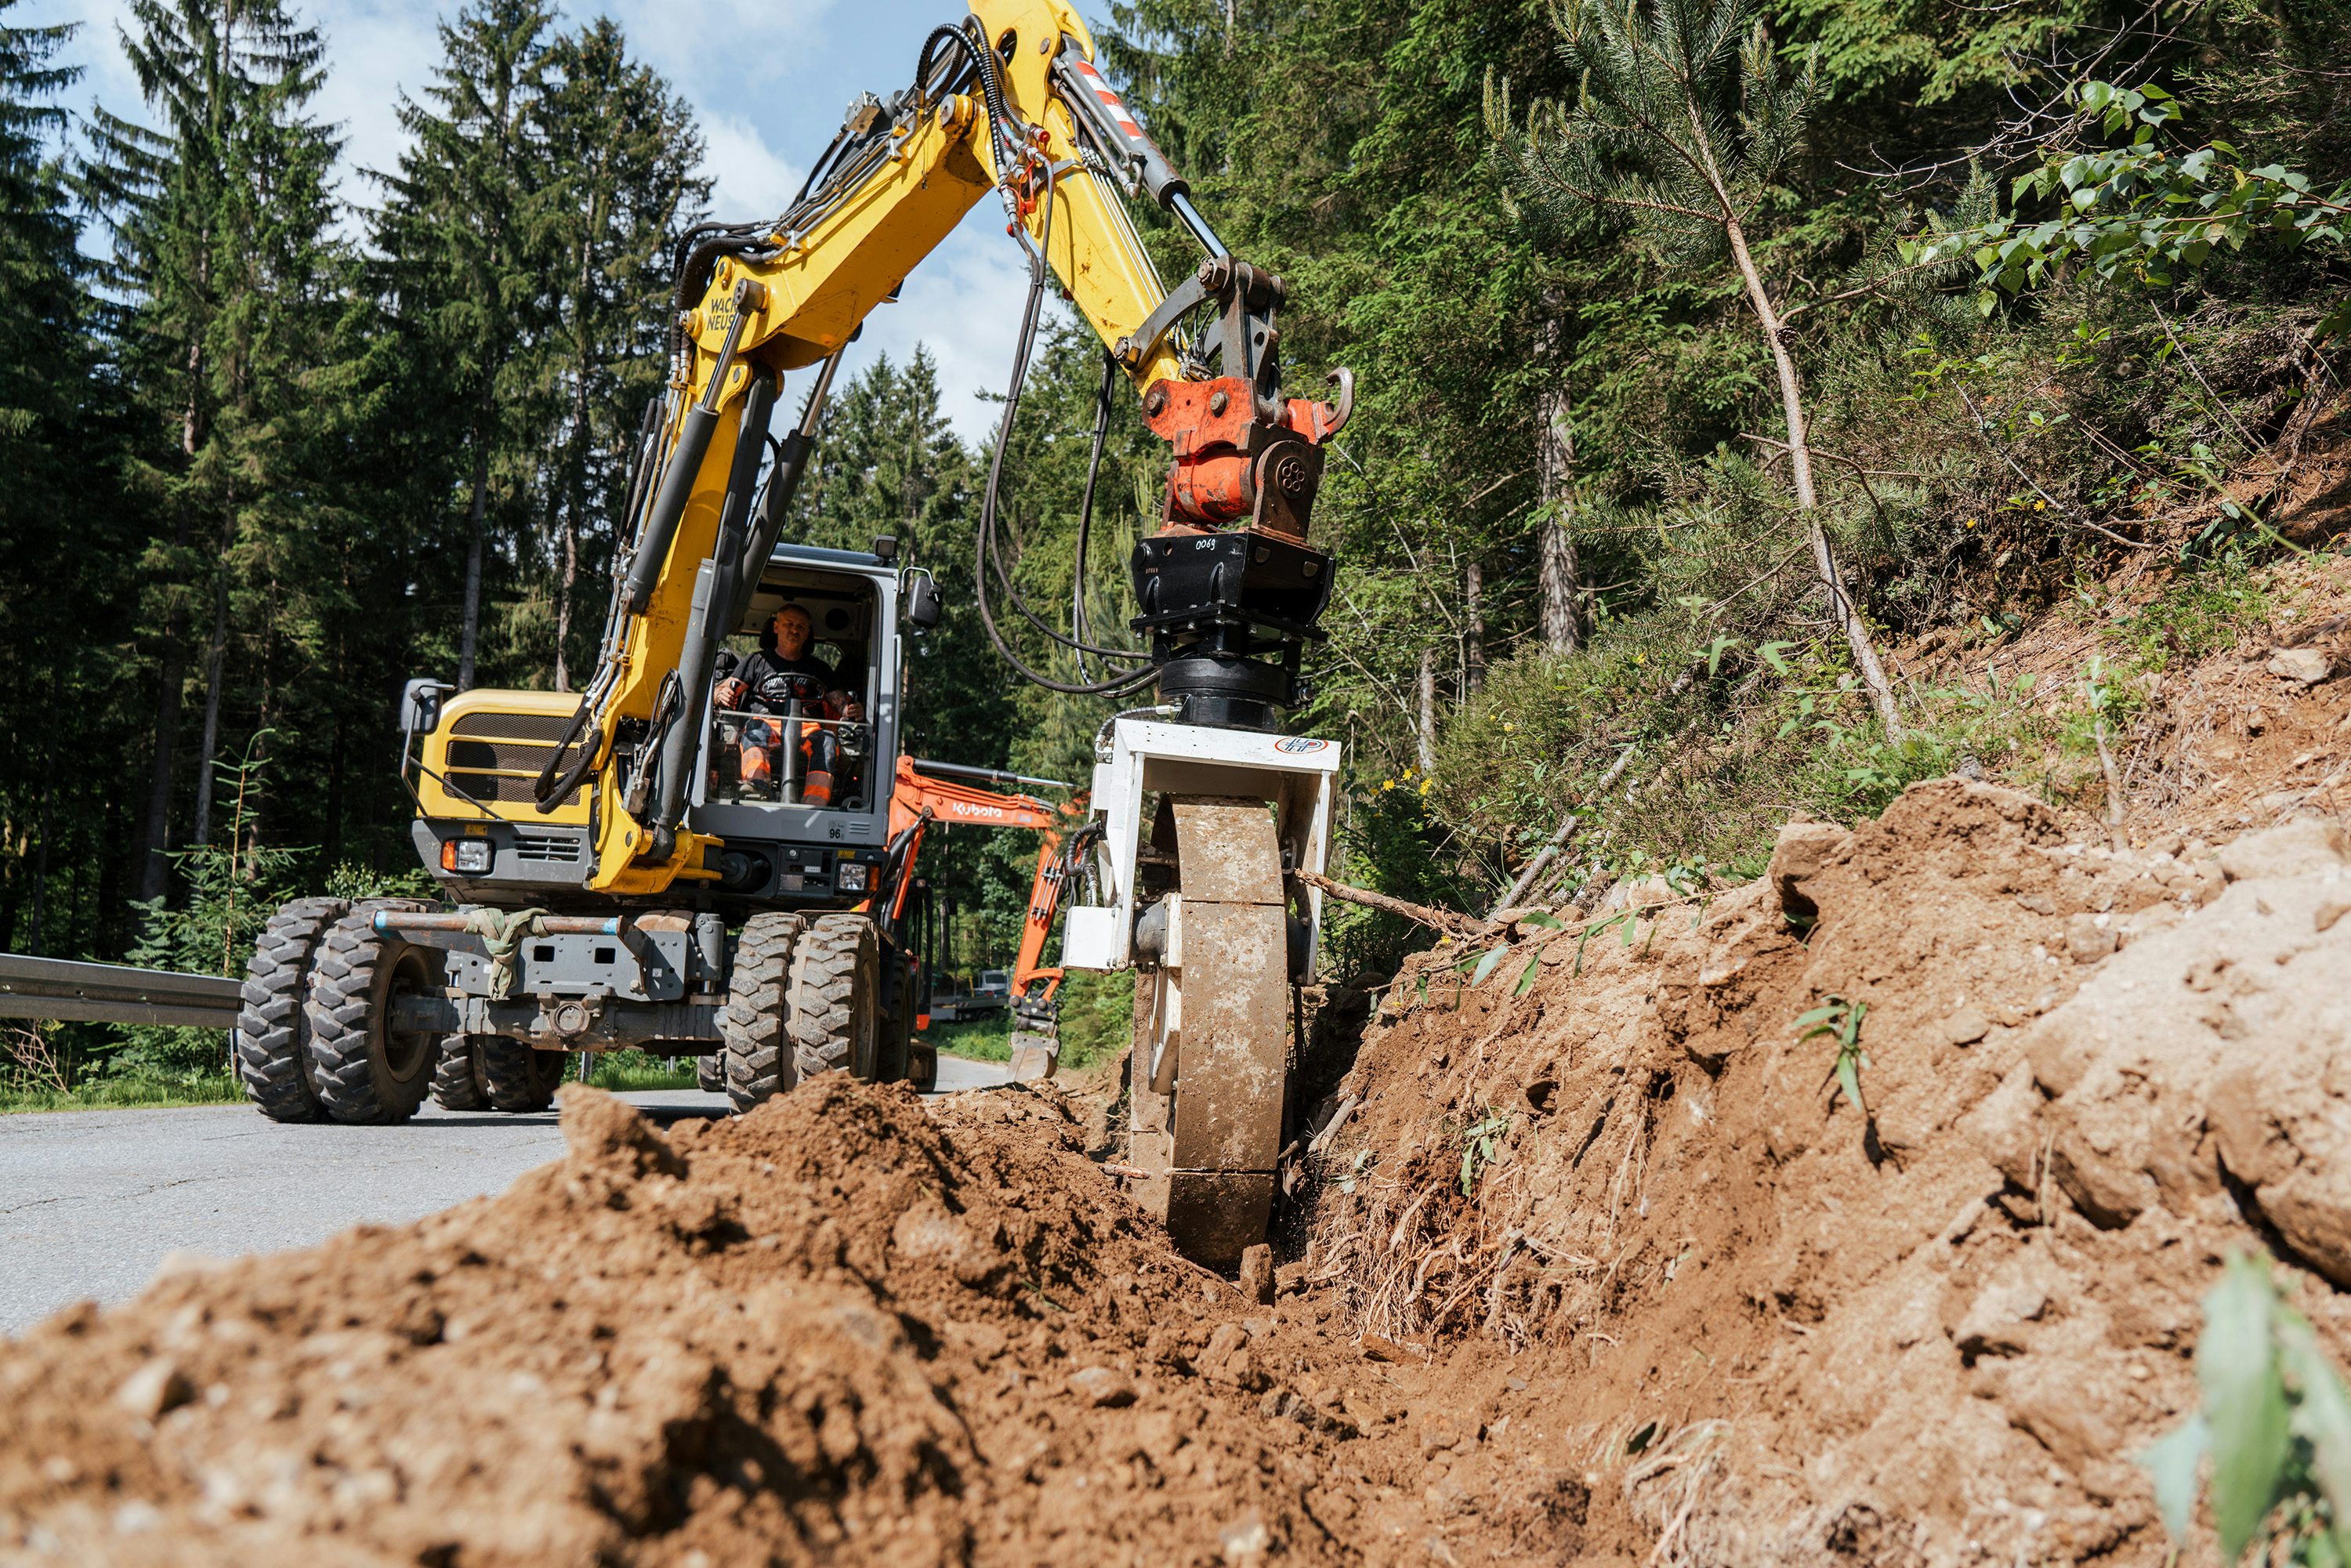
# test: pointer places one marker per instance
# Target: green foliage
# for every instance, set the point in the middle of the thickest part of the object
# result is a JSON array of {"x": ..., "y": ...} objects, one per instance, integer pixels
[
  {"x": 1481, "y": 1141},
  {"x": 623, "y": 1071},
  {"x": 1684, "y": 118},
  {"x": 1840, "y": 1020},
  {"x": 2142, "y": 210},
  {"x": 2276, "y": 1424}
]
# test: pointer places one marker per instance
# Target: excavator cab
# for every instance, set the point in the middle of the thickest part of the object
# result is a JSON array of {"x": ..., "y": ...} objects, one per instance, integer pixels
[
  {"x": 780, "y": 844},
  {"x": 784, "y": 840},
  {"x": 787, "y": 746}
]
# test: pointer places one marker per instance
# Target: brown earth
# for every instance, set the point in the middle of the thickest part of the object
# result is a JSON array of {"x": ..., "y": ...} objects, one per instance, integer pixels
[
  {"x": 1597, "y": 1265},
  {"x": 840, "y": 1329}
]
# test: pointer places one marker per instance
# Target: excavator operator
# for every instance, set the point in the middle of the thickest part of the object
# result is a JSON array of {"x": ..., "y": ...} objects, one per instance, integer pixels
[{"x": 782, "y": 674}]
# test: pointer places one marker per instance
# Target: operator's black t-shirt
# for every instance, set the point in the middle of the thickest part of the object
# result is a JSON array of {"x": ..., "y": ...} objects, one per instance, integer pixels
[{"x": 770, "y": 682}]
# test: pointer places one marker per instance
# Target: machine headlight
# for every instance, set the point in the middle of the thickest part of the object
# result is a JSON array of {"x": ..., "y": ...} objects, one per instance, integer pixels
[
  {"x": 466, "y": 857},
  {"x": 852, "y": 876}
]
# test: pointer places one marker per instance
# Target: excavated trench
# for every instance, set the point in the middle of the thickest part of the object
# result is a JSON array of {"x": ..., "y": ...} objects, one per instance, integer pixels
[{"x": 1600, "y": 1267}]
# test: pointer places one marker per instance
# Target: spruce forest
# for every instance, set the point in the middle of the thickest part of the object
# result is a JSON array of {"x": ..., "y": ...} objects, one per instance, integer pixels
[{"x": 1719, "y": 362}]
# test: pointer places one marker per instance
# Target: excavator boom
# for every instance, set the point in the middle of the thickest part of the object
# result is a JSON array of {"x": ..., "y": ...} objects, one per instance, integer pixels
[{"x": 1009, "y": 104}]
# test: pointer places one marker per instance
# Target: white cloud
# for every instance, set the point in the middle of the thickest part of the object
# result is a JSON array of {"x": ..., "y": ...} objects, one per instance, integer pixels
[
  {"x": 375, "y": 53},
  {"x": 964, "y": 304},
  {"x": 699, "y": 43},
  {"x": 752, "y": 180}
]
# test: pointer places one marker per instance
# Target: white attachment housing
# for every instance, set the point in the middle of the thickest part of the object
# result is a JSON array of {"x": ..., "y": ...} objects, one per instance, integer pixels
[{"x": 1297, "y": 774}]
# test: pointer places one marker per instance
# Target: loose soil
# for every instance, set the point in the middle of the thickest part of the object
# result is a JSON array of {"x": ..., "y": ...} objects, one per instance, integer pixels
[{"x": 1591, "y": 1261}]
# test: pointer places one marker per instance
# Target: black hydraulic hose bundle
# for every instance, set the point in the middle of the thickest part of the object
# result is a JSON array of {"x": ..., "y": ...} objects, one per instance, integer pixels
[
  {"x": 1086, "y": 507},
  {"x": 985, "y": 556}
]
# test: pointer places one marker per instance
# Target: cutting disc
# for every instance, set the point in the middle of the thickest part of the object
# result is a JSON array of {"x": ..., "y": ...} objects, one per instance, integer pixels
[{"x": 1209, "y": 1145}]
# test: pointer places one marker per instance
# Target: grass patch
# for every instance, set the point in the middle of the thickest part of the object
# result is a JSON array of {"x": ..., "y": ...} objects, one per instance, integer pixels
[
  {"x": 128, "y": 1091},
  {"x": 985, "y": 1039},
  {"x": 623, "y": 1071}
]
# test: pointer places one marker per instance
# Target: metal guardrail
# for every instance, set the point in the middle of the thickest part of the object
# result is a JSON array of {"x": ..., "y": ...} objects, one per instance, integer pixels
[{"x": 115, "y": 993}]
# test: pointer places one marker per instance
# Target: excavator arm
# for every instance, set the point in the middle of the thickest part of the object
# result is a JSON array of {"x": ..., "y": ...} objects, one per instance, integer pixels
[{"x": 1010, "y": 104}]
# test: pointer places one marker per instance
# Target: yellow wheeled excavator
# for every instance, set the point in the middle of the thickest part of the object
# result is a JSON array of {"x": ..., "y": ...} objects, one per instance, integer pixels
[{"x": 694, "y": 854}]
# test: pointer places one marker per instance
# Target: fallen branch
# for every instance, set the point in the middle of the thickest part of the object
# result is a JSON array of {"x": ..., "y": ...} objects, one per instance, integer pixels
[
  {"x": 2064, "y": 513},
  {"x": 1444, "y": 920},
  {"x": 1566, "y": 830}
]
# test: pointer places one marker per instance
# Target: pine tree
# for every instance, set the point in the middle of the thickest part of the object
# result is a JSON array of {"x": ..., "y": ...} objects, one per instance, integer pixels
[
  {"x": 1684, "y": 120},
  {"x": 219, "y": 220},
  {"x": 43, "y": 359},
  {"x": 468, "y": 239},
  {"x": 620, "y": 150}
]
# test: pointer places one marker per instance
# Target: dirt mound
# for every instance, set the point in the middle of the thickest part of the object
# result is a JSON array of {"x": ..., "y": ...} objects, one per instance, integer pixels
[
  {"x": 1671, "y": 1277},
  {"x": 840, "y": 1329},
  {"x": 1607, "y": 1265}
]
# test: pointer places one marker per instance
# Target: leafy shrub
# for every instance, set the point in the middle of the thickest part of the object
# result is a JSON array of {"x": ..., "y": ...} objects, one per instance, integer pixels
[{"x": 2276, "y": 1423}]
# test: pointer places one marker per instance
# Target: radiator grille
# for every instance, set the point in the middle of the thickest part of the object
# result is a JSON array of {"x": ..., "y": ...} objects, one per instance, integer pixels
[
  {"x": 549, "y": 848},
  {"x": 487, "y": 787},
  {"x": 543, "y": 727},
  {"x": 492, "y": 756}
]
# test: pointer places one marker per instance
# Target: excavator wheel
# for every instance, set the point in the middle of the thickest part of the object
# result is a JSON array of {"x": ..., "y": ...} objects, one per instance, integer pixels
[
  {"x": 271, "y": 1046},
  {"x": 1211, "y": 1059},
  {"x": 923, "y": 1068},
  {"x": 757, "y": 1058},
  {"x": 836, "y": 1008},
  {"x": 367, "y": 1071},
  {"x": 896, "y": 1064},
  {"x": 520, "y": 1078},
  {"x": 458, "y": 1083},
  {"x": 710, "y": 1072}
]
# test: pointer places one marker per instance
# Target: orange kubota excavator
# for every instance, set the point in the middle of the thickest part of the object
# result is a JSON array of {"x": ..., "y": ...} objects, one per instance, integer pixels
[{"x": 925, "y": 791}]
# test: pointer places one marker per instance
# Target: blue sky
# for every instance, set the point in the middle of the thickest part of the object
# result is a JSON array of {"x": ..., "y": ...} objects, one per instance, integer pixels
[{"x": 769, "y": 79}]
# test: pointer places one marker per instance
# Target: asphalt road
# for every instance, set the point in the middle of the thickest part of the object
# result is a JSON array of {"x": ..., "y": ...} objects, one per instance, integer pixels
[{"x": 91, "y": 1201}]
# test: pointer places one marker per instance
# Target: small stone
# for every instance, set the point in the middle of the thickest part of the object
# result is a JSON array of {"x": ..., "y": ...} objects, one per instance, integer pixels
[
  {"x": 137, "y": 1518},
  {"x": 1379, "y": 1347},
  {"x": 1257, "y": 1274},
  {"x": 1289, "y": 1279},
  {"x": 1994, "y": 1324},
  {"x": 185, "y": 1260},
  {"x": 2303, "y": 667},
  {"x": 2087, "y": 940},
  {"x": 1244, "y": 1541},
  {"x": 155, "y": 1388},
  {"x": 1803, "y": 852},
  {"x": 1966, "y": 1026},
  {"x": 2329, "y": 911},
  {"x": 1104, "y": 1387}
]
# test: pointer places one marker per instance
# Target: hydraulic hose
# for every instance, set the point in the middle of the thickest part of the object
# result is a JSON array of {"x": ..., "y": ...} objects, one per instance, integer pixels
[
  {"x": 694, "y": 433},
  {"x": 985, "y": 555},
  {"x": 1086, "y": 507},
  {"x": 711, "y": 595}
]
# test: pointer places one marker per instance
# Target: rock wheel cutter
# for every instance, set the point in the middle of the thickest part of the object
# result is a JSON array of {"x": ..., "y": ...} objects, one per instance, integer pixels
[{"x": 1206, "y": 901}]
